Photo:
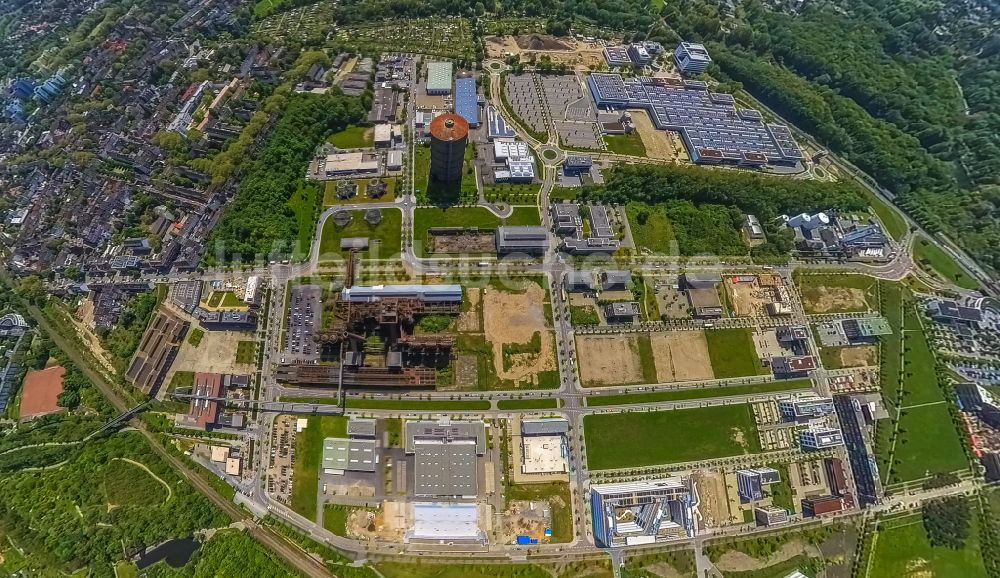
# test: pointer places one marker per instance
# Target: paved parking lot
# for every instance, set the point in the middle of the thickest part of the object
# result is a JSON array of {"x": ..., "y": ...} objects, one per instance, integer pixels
[
  {"x": 525, "y": 98},
  {"x": 578, "y": 134},
  {"x": 304, "y": 317},
  {"x": 573, "y": 110}
]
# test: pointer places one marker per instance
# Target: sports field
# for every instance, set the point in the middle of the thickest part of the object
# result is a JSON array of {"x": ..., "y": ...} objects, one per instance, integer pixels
[
  {"x": 733, "y": 353},
  {"x": 903, "y": 551},
  {"x": 624, "y": 440}
]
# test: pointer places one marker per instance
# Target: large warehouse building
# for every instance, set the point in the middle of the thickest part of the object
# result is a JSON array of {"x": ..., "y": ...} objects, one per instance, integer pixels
[
  {"x": 438, "y": 78},
  {"x": 467, "y": 101},
  {"x": 449, "y": 136},
  {"x": 445, "y": 457},
  {"x": 641, "y": 512},
  {"x": 714, "y": 130}
]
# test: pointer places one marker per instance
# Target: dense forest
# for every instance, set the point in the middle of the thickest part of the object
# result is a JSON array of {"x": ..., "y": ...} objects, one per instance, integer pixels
[
  {"x": 907, "y": 91},
  {"x": 262, "y": 218}
]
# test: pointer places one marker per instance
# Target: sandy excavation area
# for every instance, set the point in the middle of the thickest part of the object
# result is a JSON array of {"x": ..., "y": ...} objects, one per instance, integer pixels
[
  {"x": 515, "y": 318},
  {"x": 681, "y": 356},
  {"x": 608, "y": 359},
  {"x": 859, "y": 356},
  {"x": 657, "y": 142},
  {"x": 833, "y": 299}
]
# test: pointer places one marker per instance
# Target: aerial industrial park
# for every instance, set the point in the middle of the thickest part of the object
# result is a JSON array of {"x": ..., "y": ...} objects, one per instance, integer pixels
[{"x": 447, "y": 297}]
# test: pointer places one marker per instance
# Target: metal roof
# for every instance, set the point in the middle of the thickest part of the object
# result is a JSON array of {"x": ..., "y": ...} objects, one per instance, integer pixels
[
  {"x": 425, "y": 292},
  {"x": 546, "y": 426},
  {"x": 438, "y": 76},
  {"x": 466, "y": 101},
  {"x": 445, "y": 521}
]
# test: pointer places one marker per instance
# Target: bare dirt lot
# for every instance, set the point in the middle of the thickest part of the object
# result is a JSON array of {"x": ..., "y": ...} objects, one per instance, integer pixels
[
  {"x": 471, "y": 321},
  {"x": 215, "y": 354},
  {"x": 827, "y": 299},
  {"x": 859, "y": 356},
  {"x": 748, "y": 299},
  {"x": 524, "y": 518},
  {"x": 608, "y": 359},
  {"x": 560, "y": 50},
  {"x": 463, "y": 243},
  {"x": 658, "y": 143},
  {"x": 735, "y": 561},
  {"x": 714, "y": 507},
  {"x": 515, "y": 318},
  {"x": 681, "y": 356}
]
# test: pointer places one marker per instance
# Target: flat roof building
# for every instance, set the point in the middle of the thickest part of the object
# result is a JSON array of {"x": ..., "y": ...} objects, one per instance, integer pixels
[
  {"x": 692, "y": 58},
  {"x": 617, "y": 56},
  {"x": 349, "y": 164},
  {"x": 361, "y": 428},
  {"x": 770, "y": 515},
  {"x": 498, "y": 127},
  {"x": 792, "y": 366},
  {"x": 622, "y": 312},
  {"x": 439, "y": 78},
  {"x": 467, "y": 101},
  {"x": 641, "y": 512},
  {"x": 750, "y": 483},
  {"x": 544, "y": 426},
  {"x": 804, "y": 408},
  {"x": 429, "y": 293},
  {"x": 530, "y": 240},
  {"x": 820, "y": 438},
  {"x": 445, "y": 522},
  {"x": 348, "y": 455},
  {"x": 445, "y": 457}
]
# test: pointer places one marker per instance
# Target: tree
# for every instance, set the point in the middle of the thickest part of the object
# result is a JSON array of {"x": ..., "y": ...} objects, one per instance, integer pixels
[{"x": 947, "y": 521}]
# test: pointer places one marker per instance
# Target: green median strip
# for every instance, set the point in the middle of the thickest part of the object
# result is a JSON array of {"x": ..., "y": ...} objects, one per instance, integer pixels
[
  {"x": 544, "y": 403},
  {"x": 698, "y": 393},
  {"x": 418, "y": 405}
]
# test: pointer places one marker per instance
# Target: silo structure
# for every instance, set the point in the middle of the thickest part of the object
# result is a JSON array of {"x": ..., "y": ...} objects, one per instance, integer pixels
[{"x": 449, "y": 135}]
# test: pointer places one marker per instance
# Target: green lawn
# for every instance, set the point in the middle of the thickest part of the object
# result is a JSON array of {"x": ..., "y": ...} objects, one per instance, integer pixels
[
  {"x": 246, "y": 352},
  {"x": 229, "y": 299},
  {"x": 781, "y": 492},
  {"x": 419, "y": 405},
  {"x": 512, "y": 192},
  {"x": 335, "y": 517},
  {"x": 353, "y": 137},
  {"x": 920, "y": 383},
  {"x": 646, "y": 359},
  {"x": 195, "y": 337},
  {"x": 385, "y": 239},
  {"x": 452, "y": 570},
  {"x": 903, "y": 550},
  {"x": 181, "y": 379},
  {"x": 650, "y": 228},
  {"x": 394, "y": 428},
  {"x": 560, "y": 505},
  {"x": 733, "y": 353},
  {"x": 330, "y": 197},
  {"x": 427, "y": 217},
  {"x": 894, "y": 223},
  {"x": 308, "y": 456},
  {"x": 698, "y": 393},
  {"x": 305, "y": 203},
  {"x": 837, "y": 293},
  {"x": 625, "y": 144},
  {"x": 928, "y": 444},
  {"x": 624, "y": 440},
  {"x": 583, "y": 315},
  {"x": 542, "y": 403},
  {"x": 932, "y": 257}
]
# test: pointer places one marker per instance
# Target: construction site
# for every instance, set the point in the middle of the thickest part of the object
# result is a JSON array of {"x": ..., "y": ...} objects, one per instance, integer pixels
[{"x": 371, "y": 332}]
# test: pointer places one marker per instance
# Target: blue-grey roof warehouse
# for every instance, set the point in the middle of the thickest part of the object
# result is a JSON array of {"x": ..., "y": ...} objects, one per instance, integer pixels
[
  {"x": 466, "y": 101},
  {"x": 713, "y": 129}
]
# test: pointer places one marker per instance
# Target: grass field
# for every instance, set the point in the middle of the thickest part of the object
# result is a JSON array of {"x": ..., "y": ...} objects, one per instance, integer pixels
[
  {"x": 417, "y": 405},
  {"x": 932, "y": 257},
  {"x": 698, "y": 393},
  {"x": 385, "y": 239},
  {"x": 624, "y": 440},
  {"x": 308, "y": 455},
  {"x": 733, "y": 353},
  {"x": 920, "y": 383},
  {"x": 181, "y": 379},
  {"x": 330, "y": 197},
  {"x": 655, "y": 234},
  {"x": 427, "y": 217},
  {"x": 840, "y": 293},
  {"x": 394, "y": 431},
  {"x": 335, "y": 517},
  {"x": 353, "y": 137},
  {"x": 195, "y": 337},
  {"x": 895, "y": 224},
  {"x": 560, "y": 503},
  {"x": 305, "y": 203},
  {"x": 543, "y": 403},
  {"x": 903, "y": 550},
  {"x": 928, "y": 444},
  {"x": 625, "y": 144},
  {"x": 246, "y": 352},
  {"x": 430, "y": 570}
]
